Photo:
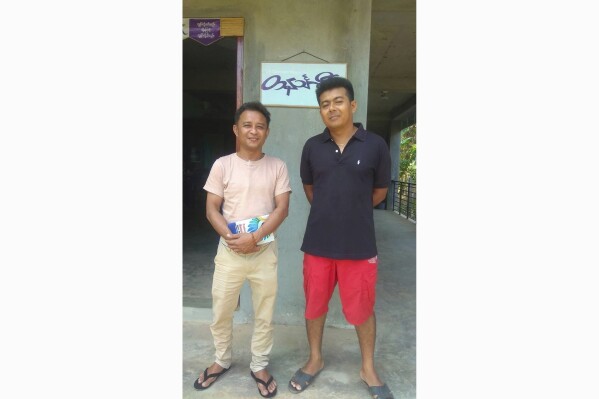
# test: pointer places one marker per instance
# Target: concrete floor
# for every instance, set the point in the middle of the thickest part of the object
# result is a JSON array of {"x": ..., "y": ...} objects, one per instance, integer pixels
[{"x": 395, "y": 356}]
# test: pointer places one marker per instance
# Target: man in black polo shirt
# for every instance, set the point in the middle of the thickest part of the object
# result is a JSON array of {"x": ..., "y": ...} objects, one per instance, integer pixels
[{"x": 345, "y": 172}]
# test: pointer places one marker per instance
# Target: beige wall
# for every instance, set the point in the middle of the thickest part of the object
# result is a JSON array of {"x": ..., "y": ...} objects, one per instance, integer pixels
[{"x": 335, "y": 30}]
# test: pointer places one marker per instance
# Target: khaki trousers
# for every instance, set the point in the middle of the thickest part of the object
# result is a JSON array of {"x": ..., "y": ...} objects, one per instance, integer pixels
[{"x": 231, "y": 271}]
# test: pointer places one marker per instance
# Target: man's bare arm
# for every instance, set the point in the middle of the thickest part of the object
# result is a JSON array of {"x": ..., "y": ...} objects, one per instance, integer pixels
[
  {"x": 275, "y": 218},
  {"x": 216, "y": 219},
  {"x": 378, "y": 195},
  {"x": 309, "y": 190}
]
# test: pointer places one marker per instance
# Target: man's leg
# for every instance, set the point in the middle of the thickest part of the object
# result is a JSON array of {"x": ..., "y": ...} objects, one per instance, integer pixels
[
  {"x": 367, "y": 337},
  {"x": 263, "y": 284},
  {"x": 226, "y": 285},
  {"x": 315, "y": 332},
  {"x": 315, "y": 363},
  {"x": 319, "y": 284},
  {"x": 357, "y": 289}
]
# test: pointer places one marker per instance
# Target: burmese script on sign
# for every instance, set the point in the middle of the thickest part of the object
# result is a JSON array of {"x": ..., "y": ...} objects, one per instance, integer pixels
[{"x": 295, "y": 84}]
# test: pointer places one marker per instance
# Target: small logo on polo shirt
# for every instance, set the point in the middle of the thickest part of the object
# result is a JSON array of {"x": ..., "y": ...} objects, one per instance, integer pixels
[{"x": 358, "y": 161}]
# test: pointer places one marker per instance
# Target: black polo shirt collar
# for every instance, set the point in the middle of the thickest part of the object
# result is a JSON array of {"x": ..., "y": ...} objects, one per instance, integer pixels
[{"x": 360, "y": 134}]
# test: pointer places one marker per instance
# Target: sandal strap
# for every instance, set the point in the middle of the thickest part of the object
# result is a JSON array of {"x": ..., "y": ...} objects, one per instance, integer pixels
[
  {"x": 258, "y": 380},
  {"x": 382, "y": 392},
  {"x": 302, "y": 378},
  {"x": 207, "y": 376}
]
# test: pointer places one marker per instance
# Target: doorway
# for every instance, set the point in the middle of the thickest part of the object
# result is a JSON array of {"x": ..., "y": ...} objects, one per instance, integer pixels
[
  {"x": 210, "y": 88},
  {"x": 209, "y": 100}
]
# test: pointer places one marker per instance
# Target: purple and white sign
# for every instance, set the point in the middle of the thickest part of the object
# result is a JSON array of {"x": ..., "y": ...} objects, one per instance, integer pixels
[
  {"x": 204, "y": 30},
  {"x": 294, "y": 85}
]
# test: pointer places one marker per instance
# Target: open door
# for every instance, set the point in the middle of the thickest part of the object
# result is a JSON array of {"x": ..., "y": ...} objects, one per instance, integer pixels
[{"x": 212, "y": 87}]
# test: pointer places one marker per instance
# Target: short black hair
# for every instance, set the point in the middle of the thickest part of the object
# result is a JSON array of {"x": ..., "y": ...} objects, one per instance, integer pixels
[
  {"x": 333, "y": 83},
  {"x": 252, "y": 106}
]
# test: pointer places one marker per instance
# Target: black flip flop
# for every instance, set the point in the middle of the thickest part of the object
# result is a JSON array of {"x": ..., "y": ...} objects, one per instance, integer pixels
[
  {"x": 198, "y": 385},
  {"x": 266, "y": 384}
]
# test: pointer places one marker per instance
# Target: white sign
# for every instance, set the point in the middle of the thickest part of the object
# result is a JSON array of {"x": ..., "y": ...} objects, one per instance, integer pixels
[{"x": 294, "y": 85}]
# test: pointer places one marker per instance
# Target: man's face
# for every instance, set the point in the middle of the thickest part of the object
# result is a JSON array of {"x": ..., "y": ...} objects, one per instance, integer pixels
[
  {"x": 335, "y": 108},
  {"x": 251, "y": 129}
]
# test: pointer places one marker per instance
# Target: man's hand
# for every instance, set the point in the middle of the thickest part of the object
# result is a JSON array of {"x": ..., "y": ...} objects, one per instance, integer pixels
[{"x": 242, "y": 243}]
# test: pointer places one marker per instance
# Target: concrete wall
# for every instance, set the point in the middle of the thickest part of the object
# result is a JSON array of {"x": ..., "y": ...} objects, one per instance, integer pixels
[{"x": 335, "y": 30}]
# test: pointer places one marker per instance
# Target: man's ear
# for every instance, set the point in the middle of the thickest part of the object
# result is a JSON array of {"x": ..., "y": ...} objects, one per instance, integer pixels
[
  {"x": 354, "y": 106},
  {"x": 235, "y": 129}
]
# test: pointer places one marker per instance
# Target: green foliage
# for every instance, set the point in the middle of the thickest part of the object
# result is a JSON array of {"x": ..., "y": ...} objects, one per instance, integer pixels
[{"x": 407, "y": 154}]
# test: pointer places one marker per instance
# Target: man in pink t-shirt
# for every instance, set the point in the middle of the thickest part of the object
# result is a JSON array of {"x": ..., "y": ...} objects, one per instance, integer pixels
[{"x": 245, "y": 185}]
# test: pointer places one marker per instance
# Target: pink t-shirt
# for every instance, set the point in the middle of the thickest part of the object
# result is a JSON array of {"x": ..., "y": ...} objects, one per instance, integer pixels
[{"x": 247, "y": 187}]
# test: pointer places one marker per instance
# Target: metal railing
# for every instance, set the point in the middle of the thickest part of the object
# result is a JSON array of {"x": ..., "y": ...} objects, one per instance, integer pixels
[{"x": 404, "y": 199}]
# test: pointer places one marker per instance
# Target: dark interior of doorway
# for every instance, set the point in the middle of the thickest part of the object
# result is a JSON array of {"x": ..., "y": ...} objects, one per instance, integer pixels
[{"x": 209, "y": 98}]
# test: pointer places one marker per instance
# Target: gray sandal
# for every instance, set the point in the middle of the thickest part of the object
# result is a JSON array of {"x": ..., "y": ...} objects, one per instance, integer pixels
[
  {"x": 380, "y": 392},
  {"x": 304, "y": 380}
]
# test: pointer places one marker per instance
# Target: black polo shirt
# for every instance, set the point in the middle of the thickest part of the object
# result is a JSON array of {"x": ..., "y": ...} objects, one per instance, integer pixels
[{"x": 340, "y": 224}]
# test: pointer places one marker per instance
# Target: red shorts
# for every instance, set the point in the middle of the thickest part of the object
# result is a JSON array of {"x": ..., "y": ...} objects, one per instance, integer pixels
[{"x": 357, "y": 282}]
